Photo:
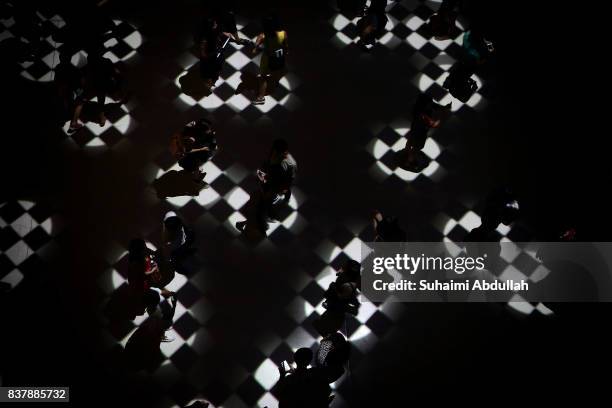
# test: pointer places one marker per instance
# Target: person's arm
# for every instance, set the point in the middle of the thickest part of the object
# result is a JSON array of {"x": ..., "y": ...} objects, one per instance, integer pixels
[
  {"x": 201, "y": 149},
  {"x": 258, "y": 43}
]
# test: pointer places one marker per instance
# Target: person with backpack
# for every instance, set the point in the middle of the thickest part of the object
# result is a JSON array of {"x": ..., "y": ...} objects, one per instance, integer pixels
[{"x": 272, "y": 42}]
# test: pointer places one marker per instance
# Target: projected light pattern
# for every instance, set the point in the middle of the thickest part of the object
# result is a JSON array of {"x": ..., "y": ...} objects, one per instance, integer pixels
[
  {"x": 123, "y": 46},
  {"x": 386, "y": 149},
  {"x": 27, "y": 231},
  {"x": 363, "y": 331},
  {"x": 227, "y": 200},
  {"x": 432, "y": 58},
  {"x": 237, "y": 85},
  {"x": 188, "y": 332},
  {"x": 41, "y": 69},
  {"x": 520, "y": 263},
  {"x": 118, "y": 124}
]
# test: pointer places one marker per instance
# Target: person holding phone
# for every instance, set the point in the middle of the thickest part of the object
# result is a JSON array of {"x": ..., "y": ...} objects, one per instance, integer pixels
[
  {"x": 302, "y": 386},
  {"x": 272, "y": 42}
]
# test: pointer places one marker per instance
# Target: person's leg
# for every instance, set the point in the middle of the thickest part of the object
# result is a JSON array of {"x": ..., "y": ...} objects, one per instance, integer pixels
[
  {"x": 263, "y": 80},
  {"x": 262, "y": 89},
  {"x": 74, "y": 123},
  {"x": 101, "y": 103}
]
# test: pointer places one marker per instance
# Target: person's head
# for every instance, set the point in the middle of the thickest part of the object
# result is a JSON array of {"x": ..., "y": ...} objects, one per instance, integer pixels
[
  {"x": 137, "y": 249},
  {"x": 336, "y": 338},
  {"x": 173, "y": 224},
  {"x": 352, "y": 268},
  {"x": 209, "y": 24},
  {"x": 302, "y": 357},
  {"x": 271, "y": 24},
  {"x": 280, "y": 147}
]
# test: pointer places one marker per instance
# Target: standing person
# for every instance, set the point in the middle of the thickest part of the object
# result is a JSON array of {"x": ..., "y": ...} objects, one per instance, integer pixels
[
  {"x": 146, "y": 270},
  {"x": 177, "y": 240},
  {"x": 70, "y": 83},
  {"x": 274, "y": 46},
  {"x": 101, "y": 79},
  {"x": 278, "y": 173},
  {"x": 426, "y": 114},
  {"x": 210, "y": 40},
  {"x": 276, "y": 176}
]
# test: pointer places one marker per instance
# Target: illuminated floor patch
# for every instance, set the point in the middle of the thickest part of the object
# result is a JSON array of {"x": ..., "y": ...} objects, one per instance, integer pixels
[
  {"x": 517, "y": 262},
  {"x": 118, "y": 124},
  {"x": 26, "y": 231},
  {"x": 237, "y": 85},
  {"x": 123, "y": 46},
  {"x": 432, "y": 58},
  {"x": 188, "y": 332},
  {"x": 227, "y": 200},
  {"x": 386, "y": 149}
]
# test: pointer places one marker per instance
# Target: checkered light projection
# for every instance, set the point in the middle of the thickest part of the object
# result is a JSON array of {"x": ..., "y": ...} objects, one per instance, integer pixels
[
  {"x": 26, "y": 233},
  {"x": 121, "y": 48},
  {"x": 118, "y": 124},
  {"x": 227, "y": 199},
  {"x": 519, "y": 262},
  {"x": 237, "y": 85},
  {"x": 386, "y": 149},
  {"x": 432, "y": 58}
]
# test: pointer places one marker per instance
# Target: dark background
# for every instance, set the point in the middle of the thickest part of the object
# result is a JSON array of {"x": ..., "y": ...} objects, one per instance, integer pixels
[{"x": 544, "y": 135}]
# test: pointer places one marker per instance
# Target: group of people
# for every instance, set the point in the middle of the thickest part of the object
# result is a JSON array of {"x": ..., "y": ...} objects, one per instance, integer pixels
[
  {"x": 219, "y": 29},
  {"x": 305, "y": 382},
  {"x": 149, "y": 272},
  {"x": 82, "y": 88}
]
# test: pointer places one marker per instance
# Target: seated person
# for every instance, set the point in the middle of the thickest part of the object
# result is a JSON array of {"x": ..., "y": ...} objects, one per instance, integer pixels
[{"x": 194, "y": 146}]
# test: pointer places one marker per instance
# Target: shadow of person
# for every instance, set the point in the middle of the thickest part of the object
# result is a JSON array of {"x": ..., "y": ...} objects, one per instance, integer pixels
[
  {"x": 123, "y": 306},
  {"x": 248, "y": 85},
  {"x": 142, "y": 348},
  {"x": 177, "y": 183},
  {"x": 254, "y": 227},
  {"x": 250, "y": 82},
  {"x": 192, "y": 84},
  {"x": 92, "y": 110}
]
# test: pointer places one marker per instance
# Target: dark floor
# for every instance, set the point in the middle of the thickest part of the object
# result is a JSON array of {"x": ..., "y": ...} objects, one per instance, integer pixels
[{"x": 245, "y": 306}]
